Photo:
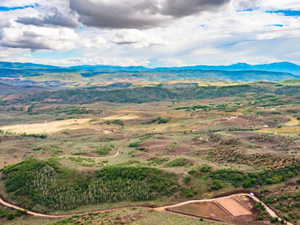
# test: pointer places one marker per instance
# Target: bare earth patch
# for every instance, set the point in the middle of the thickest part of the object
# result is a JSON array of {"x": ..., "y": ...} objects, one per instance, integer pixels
[
  {"x": 209, "y": 210},
  {"x": 233, "y": 209},
  {"x": 47, "y": 127},
  {"x": 121, "y": 117}
]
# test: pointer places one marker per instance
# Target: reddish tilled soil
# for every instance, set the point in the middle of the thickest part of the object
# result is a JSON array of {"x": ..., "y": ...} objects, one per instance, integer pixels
[{"x": 237, "y": 210}]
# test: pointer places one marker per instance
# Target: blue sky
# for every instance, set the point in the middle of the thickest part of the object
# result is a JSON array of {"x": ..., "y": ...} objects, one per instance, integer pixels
[
  {"x": 289, "y": 12},
  {"x": 13, "y": 8},
  {"x": 151, "y": 33}
]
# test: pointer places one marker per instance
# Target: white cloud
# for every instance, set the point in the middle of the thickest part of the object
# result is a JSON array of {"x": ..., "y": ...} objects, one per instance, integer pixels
[
  {"x": 9, "y": 3},
  {"x": 213, "y": 36},
  {"x": 136, "y": 38},
  {"x": 36, "y": 38},
  {"x": 279, "y": 4}
]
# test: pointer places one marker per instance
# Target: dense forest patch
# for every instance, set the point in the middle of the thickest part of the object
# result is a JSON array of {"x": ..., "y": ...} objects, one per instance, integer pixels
[{"x": 47, "y": 185}]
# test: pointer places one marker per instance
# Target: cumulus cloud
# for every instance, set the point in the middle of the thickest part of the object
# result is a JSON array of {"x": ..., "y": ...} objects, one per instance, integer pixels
[
  {"x": 52, "y": 17},
  {"x": 179, "y": 8},
  {"x": 140, "y": 14},
  {"x": 281, "y": 5},
  {"x": 266, "y": 5},
  {"x": 136, "y": 38},
  {"x": 37, "y": 38},
  {"x": 149, "y": 32},
  {"x": 121, "y": 14},
  {"x": 246, "y": 4}
]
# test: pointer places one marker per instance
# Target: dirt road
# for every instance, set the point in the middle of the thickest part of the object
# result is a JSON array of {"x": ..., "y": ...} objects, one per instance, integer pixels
[{"x": 160, "y": 209}]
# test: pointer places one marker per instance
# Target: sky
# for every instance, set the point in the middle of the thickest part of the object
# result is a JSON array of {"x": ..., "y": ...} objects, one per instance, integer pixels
[{"x": 149, "y": 33}]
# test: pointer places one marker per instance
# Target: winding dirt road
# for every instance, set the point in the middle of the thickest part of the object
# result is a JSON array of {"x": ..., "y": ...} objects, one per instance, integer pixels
[{"x": 159, "y": 209}]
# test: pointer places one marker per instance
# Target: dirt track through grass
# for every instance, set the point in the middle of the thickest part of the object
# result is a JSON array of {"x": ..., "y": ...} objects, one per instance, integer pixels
[{"x": 160, "y": 209}]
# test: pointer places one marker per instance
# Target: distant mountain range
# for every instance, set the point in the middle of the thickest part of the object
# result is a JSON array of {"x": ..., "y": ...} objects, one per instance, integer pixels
[
  {"x": 274, "y": 67},
  {"x": 286, "y": 67},
  {"x": 236, "y": 72}
]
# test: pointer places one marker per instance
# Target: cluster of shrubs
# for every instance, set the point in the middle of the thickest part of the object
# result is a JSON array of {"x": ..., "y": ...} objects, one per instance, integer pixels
[
  {"x": 242, "y": 179},
  {"x": 194, "y": 108},
  {"x": 179, "y": 162},
  {"x": 137, "y": 144},
  {"x": 250, "y": 180},
  {"x": 10, "y": 214},
  {"x": 71, "y": 110},
  {"x": 287, "y": 203},
  {"x": 158, "y": 161},
  {"x": 219, "y": 107},
  {"x": 104, "y": 150},
  {"x": 158, "y": 120},
  {"x": 41, "y": 136},
  {"x": 115, "y": 122}
]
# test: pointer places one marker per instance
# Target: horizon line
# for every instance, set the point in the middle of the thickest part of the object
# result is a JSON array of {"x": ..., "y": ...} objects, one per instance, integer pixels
[{"x": 157, "y": 67}]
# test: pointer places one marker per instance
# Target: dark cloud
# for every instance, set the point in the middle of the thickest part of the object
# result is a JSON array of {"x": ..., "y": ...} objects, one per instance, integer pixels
[
  {"x": 140, "y": 14},
  {"x": 125, "y": 42},
  {"x": 181, "y": 8},
  {"x": 116, "y": 15},
  {"x": 26, "y": 43},
  {"x": 54, "y": 18},
  {"x": 28, "y": 40}
]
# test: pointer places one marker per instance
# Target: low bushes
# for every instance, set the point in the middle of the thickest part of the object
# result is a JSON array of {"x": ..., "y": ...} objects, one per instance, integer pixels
[
  {"x": 115, "y": 122},
  {"x": 179, "y": 163},
  {"x": 10, "y": 214},
  {"x": 104, "y": 150},
  {"x": 250, "y": 180},
  {"x": 158, "y": 120},
  {"x": 219, "y": 179}
]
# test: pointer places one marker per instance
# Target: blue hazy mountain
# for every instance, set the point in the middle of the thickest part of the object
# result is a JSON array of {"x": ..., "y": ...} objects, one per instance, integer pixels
[
  {"x": 236, "y": 72},
  {"x": 15, "y": 65},
  {"x": 110, "y": 68},
  {"x": 273, "y": 67},
  {"x": 14, "y": 69}
]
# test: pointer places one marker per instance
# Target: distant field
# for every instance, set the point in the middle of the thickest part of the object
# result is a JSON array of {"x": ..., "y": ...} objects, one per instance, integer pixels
[
  {"x": 283, "y": 130},
  {"x": 47, "y": 127},
  {"x": 64, "y": 125}
]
